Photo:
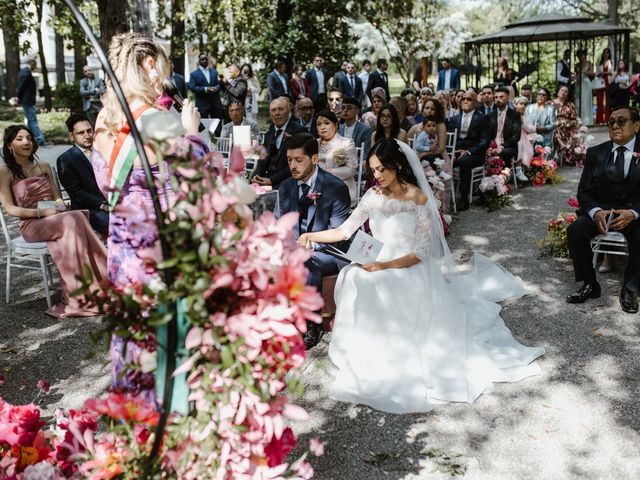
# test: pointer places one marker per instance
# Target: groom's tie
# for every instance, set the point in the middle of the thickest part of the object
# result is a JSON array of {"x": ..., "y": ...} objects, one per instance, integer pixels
[{"x": 303, "y": 207}]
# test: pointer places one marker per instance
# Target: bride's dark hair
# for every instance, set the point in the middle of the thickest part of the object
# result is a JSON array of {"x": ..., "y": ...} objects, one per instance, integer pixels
[{"x": 392, "y": 157}]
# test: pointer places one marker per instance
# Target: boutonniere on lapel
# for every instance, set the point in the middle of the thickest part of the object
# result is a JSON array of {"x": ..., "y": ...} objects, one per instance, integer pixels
[
  {"x": 314, "y": 196},
  {"x": 636, "y": 157}
]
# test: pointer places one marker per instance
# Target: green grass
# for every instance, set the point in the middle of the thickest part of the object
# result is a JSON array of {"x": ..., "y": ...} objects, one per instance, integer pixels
[{"x": 51, "y": 123}]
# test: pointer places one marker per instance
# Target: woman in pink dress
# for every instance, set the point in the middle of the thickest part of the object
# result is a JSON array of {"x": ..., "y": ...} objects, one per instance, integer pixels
[{"x": 71, "y": 241}]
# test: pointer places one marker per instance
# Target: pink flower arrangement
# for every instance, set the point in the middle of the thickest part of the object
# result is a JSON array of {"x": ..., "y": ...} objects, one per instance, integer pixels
[{"x": 494, "y": 184}]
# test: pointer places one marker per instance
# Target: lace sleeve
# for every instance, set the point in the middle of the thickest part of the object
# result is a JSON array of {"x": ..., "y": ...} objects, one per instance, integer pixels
[
  {"x": 424, "y": 231},
  {"x": 358, "y": 216}
]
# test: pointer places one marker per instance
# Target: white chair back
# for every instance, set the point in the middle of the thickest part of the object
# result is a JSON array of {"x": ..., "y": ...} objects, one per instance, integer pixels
[
  {"x": 223, "y": 145},
  {"x": 412, "y": 142},
  {"x": 360, "y": 183},
  {"x": 5, "y": 228},
  {"x": 452, "y": 138}
]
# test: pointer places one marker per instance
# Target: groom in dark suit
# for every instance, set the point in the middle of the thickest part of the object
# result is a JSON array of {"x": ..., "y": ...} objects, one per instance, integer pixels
[
  {"x": 323, "y": 202},
  {"x": 609, "y": 195},
  {"x": 76, "y": 173}
]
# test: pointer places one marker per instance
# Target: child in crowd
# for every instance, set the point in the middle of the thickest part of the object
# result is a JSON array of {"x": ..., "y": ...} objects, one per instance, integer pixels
[{"x": 427, "y": 138}]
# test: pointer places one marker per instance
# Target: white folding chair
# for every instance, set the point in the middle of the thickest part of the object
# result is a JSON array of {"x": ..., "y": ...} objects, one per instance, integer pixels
[
  {"x": 359, "y": 180},
  {"x": 412, "y": 142},
  {"x": 611, "y": 243},
  {"x": 63, "y": 192},
  {"x": 223, "y": 145},
  {"x": 450, "y": 148},
  {"x": 28, "y": 256}
]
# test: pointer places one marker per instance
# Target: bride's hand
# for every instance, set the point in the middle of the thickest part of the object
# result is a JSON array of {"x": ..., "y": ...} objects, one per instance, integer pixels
[
  {"x": 375, "y": 266},
  {"x": 304, "y": 241}
]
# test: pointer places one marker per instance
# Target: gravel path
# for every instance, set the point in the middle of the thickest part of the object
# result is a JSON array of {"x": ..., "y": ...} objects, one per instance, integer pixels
[{"x": 579, "y": 420}]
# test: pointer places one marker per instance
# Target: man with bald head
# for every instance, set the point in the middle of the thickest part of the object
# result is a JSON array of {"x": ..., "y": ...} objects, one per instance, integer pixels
[
  {"x": 471, "y": 144},
  {"x": 273, "y": 169}
]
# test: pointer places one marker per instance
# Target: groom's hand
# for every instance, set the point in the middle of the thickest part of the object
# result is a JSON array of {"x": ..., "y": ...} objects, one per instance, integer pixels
[{"x": 303, "y": 241}]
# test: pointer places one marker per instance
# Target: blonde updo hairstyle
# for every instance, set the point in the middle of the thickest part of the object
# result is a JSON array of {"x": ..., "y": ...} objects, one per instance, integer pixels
[{"x": 127, "y": 52}]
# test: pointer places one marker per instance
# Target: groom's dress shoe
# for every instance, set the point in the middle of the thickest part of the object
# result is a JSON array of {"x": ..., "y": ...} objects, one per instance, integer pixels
[
  {"x": 588, "y": 290},
  {"x": 313, "y": 335},
  {"x": 628, "y": 301}
]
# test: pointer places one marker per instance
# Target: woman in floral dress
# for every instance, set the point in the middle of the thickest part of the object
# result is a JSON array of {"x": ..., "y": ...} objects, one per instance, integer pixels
[{"x": 567, "y": 126}]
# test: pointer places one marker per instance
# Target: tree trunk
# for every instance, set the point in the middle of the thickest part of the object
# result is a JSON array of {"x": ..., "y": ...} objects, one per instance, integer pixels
[
  {"x": 12, "y": 54},
  {"x": 612, "y": 11},
  {"x": 284, "y": 11},
  {"x": 46, "y": 90},
  {"x": 113, "y": 19},
  {"x": 59, "y": 40},
  {"x": 177, "y": 35}
]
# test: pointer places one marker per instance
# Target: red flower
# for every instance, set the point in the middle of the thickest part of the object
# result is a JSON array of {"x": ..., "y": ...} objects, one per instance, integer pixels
[
  {"x": 571, "y": 217},
  {"x": 573, "y": 202},
  {"x": 19, "y": 425},
  {"x": 44, "y": 386},
  {"x": 278, "y": 448},
  {"x": 129, "y": 408}
]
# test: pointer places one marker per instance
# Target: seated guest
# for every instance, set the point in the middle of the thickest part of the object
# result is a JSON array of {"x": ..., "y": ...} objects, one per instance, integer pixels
[
  {"x": 76, "y": 174},
  {"x": 334, "y": 99},
  {"x": 609, "y": 196},
  {"x": 542, "y": 116},
  {"x": 525, "y": 145},
  {"x": 370, "y": 117},
  {"x": 305, "y": 111},
  {"x": 337, "y": 154},
  {"x": 487, "y": 105},
  {"x": 359, "y": 132},
  {"x": 235, "y": 110},
  {"x": 71, "y": 241},
  {"x": 322, "y": 200},
  {"x": 527, "y": 92},
  {"x": 273, "y": 169},
  {"x": 471, "y": 144},
  {"x": 505, "y": 127},
  {"x": 388, "y": 125},
  {"x": 412, "y": 114},
  {"x": 401, "y": 108}
]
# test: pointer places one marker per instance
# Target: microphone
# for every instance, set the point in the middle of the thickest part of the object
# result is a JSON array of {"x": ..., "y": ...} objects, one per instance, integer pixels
[{"x": 170, "y": 89}]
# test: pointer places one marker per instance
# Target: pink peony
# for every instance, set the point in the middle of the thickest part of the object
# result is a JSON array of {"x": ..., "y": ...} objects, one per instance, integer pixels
[
  {"x": 129, "y": 408},
  {"x": 19, "y": 425}
]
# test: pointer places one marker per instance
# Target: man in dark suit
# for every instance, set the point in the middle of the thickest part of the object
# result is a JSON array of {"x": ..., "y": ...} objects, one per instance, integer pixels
[
  {"x": 273, "y": 169},
  {"x": 350, "y": 84},
  {"x": 505, "y": 127},
  {"x": 448, "y": 77},
  {"x": 609, "y": 195},
  {"x": 305, "y": 112},
  {"x": 318, "y": 78},
  {"x": 359, "y": 132},
  {"x": 487, "y": 105},
  {"x": 379, "y": 78},
  {"x": 26, "y": 92},
  {"x": 91, "y": 89},
  {"x": 278, "y": 81},
  {"x": 206, "y": 87},
  {"x": 471, "y": 144},
  {"x": 76, "y": 173},
  {"x": 235, "y": 89},
  {"x": 178, "y": 82},
  {"x": 322, "y": 202}
]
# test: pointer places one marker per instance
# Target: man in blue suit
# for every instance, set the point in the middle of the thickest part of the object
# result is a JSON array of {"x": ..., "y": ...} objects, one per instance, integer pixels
[
  {"x": 350, "y": 84},
  {"x": 76, "y": 173},
  {"x": 448, "y": 77},
  {"x": 206, "y": 87},
  {"x": 471, "y": 145},
  {"x": 322, "y": 202},
  {"x": 278, "y": 82},
  {"x": 318, "y": 78},
  {"x": 359, "y": 132}
]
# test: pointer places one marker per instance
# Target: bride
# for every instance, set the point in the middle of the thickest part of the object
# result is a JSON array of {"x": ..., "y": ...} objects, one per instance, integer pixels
[{"x": 412, "y": 329}]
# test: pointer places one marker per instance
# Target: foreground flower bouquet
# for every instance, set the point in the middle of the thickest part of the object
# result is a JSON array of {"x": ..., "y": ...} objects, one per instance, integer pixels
[
  {"x": 555, "y": 243},
  {"x": 494, "y": 184},
  {"x": 239, "y": 287},
  {"x": 542, "y": 171}
]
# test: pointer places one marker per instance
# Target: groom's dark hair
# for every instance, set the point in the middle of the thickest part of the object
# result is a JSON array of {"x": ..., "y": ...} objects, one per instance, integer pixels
[{"x": 305, "y": 141}]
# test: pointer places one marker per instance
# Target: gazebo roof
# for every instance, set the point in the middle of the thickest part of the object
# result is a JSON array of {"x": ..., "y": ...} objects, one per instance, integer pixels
[{"x": 549, "y": 27}]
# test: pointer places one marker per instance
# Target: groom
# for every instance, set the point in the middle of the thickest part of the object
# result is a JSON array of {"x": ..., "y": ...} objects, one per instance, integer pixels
[
  {"x": 609, "y": 195},
  {"x": 323, "y": 202}
]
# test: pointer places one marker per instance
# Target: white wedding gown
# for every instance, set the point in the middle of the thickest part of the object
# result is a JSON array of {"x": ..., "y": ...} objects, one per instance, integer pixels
[{"x": 405, "y": 339}]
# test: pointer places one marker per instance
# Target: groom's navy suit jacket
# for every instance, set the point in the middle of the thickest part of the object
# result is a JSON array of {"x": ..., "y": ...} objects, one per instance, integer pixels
[{"x": 331, "y": 209}]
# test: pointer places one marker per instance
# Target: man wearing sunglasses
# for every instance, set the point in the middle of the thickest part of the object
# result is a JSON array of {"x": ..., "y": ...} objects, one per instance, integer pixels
[{"x": 609, "y": 195}]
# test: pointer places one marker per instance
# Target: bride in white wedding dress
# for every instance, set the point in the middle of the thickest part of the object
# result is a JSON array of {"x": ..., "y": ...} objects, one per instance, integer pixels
[{"x": 413, "y": 329}]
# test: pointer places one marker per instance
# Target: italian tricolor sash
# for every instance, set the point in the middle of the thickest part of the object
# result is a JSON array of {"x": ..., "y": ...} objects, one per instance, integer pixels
[{"x": 123, "y": 155}]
